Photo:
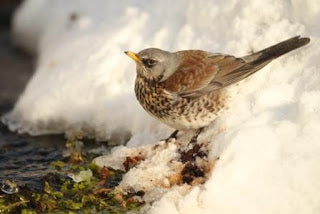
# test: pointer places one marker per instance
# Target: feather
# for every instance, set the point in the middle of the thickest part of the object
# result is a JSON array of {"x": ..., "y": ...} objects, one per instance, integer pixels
[{"x": 202, "y": 72}]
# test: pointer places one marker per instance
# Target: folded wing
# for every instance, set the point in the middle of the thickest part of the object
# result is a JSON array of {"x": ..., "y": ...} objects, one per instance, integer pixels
[{"x": 201, "y": 72}]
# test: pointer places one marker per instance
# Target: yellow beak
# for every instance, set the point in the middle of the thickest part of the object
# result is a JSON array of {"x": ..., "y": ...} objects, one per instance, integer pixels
[{"x": 133, "y": 56}]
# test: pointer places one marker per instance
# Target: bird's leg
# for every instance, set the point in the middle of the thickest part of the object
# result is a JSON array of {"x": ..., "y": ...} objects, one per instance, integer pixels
[
  {"x": 172, "y": 136},
  {"x": 195, "y": 136}
]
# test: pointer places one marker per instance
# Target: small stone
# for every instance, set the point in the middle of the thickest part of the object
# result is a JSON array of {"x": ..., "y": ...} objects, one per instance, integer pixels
[{"x": 9, "y": 187}]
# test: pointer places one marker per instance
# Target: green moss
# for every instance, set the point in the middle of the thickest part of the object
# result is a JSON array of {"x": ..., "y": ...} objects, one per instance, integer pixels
[
  {"x": 86, "y": 196},
  {"x": 58, "y": 164},
  {"x": 61, "y": 194},
  {"x": 94, "y": 168},
  {"x": 70, "y": 204},
  {"x": 28, "y": 211}
]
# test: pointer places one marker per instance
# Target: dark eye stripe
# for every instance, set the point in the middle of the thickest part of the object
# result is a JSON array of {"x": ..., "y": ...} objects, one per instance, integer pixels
[{"x": 149, "y": 62}]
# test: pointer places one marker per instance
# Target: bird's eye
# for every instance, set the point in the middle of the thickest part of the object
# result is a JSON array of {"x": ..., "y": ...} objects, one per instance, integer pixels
[{"x": 149, "y": 62}]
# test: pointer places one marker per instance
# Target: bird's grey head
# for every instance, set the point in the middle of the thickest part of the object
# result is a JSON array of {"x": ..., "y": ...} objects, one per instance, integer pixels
[{"x": 155, "y": 64}]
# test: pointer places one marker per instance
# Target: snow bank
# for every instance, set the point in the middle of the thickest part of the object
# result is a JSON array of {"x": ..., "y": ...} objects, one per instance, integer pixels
[{"x": 268, "y": 140}]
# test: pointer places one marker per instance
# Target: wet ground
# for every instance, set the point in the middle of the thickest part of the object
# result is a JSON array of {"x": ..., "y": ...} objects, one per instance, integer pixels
[
  {"x": 32, "y": 177},
  {"x": 23, "y": 159}
]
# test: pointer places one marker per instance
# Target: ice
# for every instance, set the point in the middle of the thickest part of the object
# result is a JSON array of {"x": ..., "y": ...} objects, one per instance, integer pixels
[{"x": 267, "y": 140}]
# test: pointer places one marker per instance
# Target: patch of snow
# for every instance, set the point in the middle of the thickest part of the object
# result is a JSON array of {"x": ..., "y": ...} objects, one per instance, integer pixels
[
  {"x": 84, "y": 175},
  {"x": 268, "y": 139}
]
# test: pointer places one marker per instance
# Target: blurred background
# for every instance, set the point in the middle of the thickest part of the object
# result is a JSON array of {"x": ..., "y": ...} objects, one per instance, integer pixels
[
  {"x": 22, "y": 157},
  {"x": 16, "y": 66}
]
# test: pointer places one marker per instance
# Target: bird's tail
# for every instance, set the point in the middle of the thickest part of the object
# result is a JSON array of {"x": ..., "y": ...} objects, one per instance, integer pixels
[
  {"x": 256, "y": 61},
  {"x": 277, "y": 50}
]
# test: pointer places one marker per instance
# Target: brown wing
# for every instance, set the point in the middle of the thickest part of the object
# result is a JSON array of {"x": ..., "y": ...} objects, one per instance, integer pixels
[{"x": 201, "y": 72}]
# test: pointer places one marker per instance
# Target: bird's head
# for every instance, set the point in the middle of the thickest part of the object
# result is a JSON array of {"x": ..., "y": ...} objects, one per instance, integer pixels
[{"x": 155, "y": 64}]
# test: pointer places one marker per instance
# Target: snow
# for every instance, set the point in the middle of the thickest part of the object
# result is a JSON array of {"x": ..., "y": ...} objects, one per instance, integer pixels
[{"x": 267, "y": 140}]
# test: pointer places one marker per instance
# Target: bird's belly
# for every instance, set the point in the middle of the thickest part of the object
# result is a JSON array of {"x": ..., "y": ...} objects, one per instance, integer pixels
[
  {"x": 185, "y": 114},
  {"x": 186, "y": 122},
  {"x": 180, "y": 113}
]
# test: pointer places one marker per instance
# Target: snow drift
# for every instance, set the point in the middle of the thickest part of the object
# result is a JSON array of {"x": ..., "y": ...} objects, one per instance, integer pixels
[{"x": 268, "y": 139}]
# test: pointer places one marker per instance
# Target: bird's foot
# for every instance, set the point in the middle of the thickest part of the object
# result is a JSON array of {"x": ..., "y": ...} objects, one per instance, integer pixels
[
  {"x": 194, "y": 138},
  {"x": 171, "y": 137}
]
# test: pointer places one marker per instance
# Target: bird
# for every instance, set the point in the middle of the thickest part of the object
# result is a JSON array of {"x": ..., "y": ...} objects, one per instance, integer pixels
[{"x": 186, "y": 90}]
